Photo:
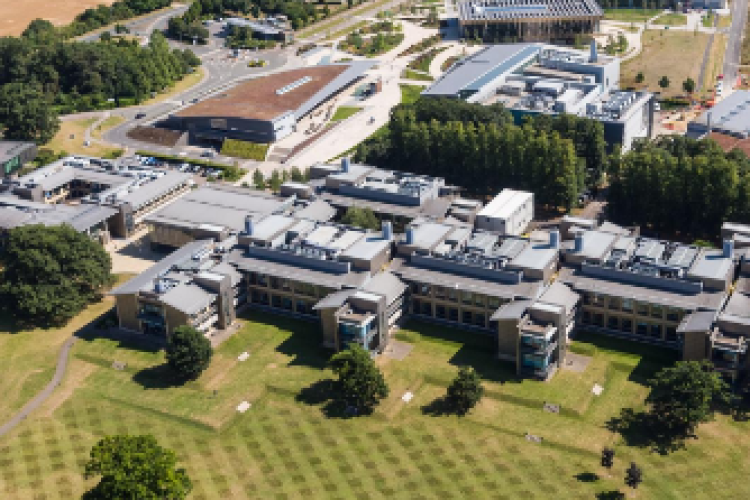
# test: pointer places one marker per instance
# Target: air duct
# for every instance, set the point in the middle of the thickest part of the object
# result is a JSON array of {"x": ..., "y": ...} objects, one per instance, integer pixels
[
  {"x": 594, "y": 56},
  {"x": 409, "y": 235},
  {"x": 579, "y": 242},
  {"x": 728, "y": 249},
  {"x": 554, "y": 239},
  {"x": 387, "y": 230},
  {"x": 345, "y": 164},
  {"x": 248, "y": 225}
]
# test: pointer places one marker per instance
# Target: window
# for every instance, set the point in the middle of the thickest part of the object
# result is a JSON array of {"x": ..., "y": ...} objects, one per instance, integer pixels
[
  {"x": 286, "y": 303},
  {"x": 657, "y": 311},
  {"x": 424, "y": 289},
  {"x": 276, "y": 282},
  {"x": 440, "y": 312},
  {"x": 276, "y": 301},
  {"x": 479, "y": 320},
  {"x": 597, "y": 300},
  {"x": 615, "y": 303},
  {"x": 493, "y": 302},
  {"x": 641, "y": 309},
  {"x": 655, "y": 331},
  {"x": 415, "y": 288},
  {"x": 598, "y": 319},
  {"x": 674, "y": 314},
  {"x": 453, "y": 295},
  {"x": 252, "y": 278},
  {"x": 416, "y": 306},
  {"x": 613, "y": 323},
  {"x": 627, "y": 305},
  {"x": 439, "y": 292},
  {"x": 302, "y": 307},
  {"x": 466, "y": 318},
  {"x": 478, "y": 300},
  {"x": 586, "y": 317},
  {"x": 626, "y": 325},
  {"x": 426, "y": 309},
  {"x": 641, "y": 328},
  {"x": 453, "y": 314},
  {"x": 671, "y": 334},
  {"x": 262, "y": 279},
  {"x": 587, "y": 298},
  {"x": 467, "y": 298}
]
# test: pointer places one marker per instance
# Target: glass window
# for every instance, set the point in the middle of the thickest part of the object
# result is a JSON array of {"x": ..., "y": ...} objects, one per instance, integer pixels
[
  {"x": 641, "y": 328},
  {"x": 586, "y": 317},
  {"x": 615, "y": 303},
  {"x": 439, "y": 292},
  {"x": 467, "y": 297},
  {"x": 424, "y": 289},
  {"x": 478, "y": 300},
  {"x": 466, "y": 317},
  {"x": 627, "y": 305},
  {"x": 493, "y": 302},
  {"x": 671, "y": 334},
  {"x": 426, "y": 308},
  {"x": 416, "y": 306},
  {"x": 674, "y": 314},
  {"x": 613, "y": 322},
  {"x": 440, "y": 311},
  {"x": 453, "y": 314},
  {"x": 641, "y": 309},
  {"x": 627, "y": 325},
  {"x": 597, "y": 300},
  {"x": 655, "y": 331},
  {"x": 302, "y": 307},
  {"x": 657, "y": 311},
  {"x": 598, "y": 319},
  {"x": 415, "y": 288},
  {"x": 286, "y": 303},
  {"x": 479, "y": 320},
  {"x": 252, "y": 278},
  {"x": 276, "y": 301},
  {"x": 453, "y": 295},
  {"x": 262, "y": 279},
  {"x": 587, "y": 297}
]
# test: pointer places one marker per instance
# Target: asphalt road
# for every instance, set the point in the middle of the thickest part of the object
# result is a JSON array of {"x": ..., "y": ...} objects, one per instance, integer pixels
[
  {"x": 62, "y": 365},
  {"x": 142, "y": 26},
  {"x": 734, "y": 44}
]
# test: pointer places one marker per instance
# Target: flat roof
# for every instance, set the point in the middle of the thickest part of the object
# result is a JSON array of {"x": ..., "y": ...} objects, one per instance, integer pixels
[
  {"x": 188, "y": 298},
  {"x": 366, "y": 248},
  {"x": 386, "y": 284},
  {"x": 263, "y": 98},
  {"x": 80, "y": 217},
  {"x": 503, "y": 205},
  {"x": 148, "y": 192},
  {"x": 596, "y": 244},
  {"x": 11, "y": 149},
  {"x": 513, "y": 10},
  {"x": 711, "y": 264},
  {"x": 298, "y": 273},
  {"x": 731, "y": 115}
]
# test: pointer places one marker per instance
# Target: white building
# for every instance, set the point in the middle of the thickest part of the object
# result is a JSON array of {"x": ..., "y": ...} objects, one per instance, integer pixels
[{"x": 509, "y": 213}]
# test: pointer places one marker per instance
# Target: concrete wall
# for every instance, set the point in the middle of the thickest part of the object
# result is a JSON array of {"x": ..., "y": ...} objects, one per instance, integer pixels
[
  {"x": 127, "y": 311},
  {"x": 695, "y": 346}
]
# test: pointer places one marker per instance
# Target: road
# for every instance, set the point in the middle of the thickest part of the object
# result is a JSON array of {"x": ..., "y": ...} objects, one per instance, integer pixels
[
  {"x": 62, "y": 366},
  {"x": 346, "y": 19},
  {"x": 734, "y": 44},
  {"x": 142, "y": 26}
]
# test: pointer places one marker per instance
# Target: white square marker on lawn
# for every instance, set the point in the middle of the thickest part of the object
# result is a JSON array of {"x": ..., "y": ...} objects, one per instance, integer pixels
[
  {"x": 597, "y": 390},
  {"x": 407, "y": 397},
  {"x": 243, "y": 407},
  {"x": 244, "y": 356}
]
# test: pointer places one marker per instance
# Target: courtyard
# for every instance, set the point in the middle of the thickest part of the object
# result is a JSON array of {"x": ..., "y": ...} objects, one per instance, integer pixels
[{"x": 287, "y": 445}]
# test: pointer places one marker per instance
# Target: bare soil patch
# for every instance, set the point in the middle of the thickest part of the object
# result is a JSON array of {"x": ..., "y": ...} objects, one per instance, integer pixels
[{"x": 160, "y": 136}]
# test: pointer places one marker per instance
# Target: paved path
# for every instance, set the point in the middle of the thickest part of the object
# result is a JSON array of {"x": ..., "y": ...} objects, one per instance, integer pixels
[
  {"x": 62, "y": 365},
  {"x": 734, "y": 44}
]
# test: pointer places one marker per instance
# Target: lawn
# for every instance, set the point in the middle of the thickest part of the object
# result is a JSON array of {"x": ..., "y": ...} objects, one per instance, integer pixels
[
  {"x": 410, "y": 74},
  {"x": 675, "y": 54},
  {"x": 71, "y": 136},
  {"x": 106, "y": 125},
  {"x": 285, "y": 446},
  {"x": 630, "y": 15},
  {"x": 410, "y": 93},
  {"x": 671, "y": 19},
  {"x": 715, "y": 66},
  {"x": 344, "y": 112},
  {"x": 188, "y": 81}
]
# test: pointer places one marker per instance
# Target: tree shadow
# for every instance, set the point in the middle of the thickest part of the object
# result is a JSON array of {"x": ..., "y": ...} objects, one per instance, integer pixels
[
  {"x": 126, "y": 340},
  {"x": 159, "y": 377},
  {"x": 587, "y": 477},
  {"x": 642, "y": 430},
  {"x": 438, "y": 408},
  {"x": 610, "y": 495},
  {"x": 327, "y": 395}
]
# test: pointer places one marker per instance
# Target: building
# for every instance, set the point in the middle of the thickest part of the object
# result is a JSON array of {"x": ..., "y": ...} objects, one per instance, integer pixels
[
  {"x": 550, "y": 21},
  {"x": 132, "y": 191},
  {"x": 262, "y": 30},
  {"x": 532, "y": 79},
  {"x": 191, "y": 286},
  {"x": 216, "y": 211},
  {"x": 509, "y": 213},
  {"x": 14, "y": 155},
  {"x": 394, "y": 196},
  {"x": 728, "y": 117},
  {"x": 267, "y": 108}
]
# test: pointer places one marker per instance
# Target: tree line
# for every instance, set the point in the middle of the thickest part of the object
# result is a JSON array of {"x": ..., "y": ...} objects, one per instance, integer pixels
[
  {"x": 42, "y": 76},
  {"x": 680, "y": 185},
  {"x": 481, "y": 149}
]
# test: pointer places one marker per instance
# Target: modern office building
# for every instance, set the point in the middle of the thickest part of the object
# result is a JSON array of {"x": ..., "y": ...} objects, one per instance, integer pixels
[
  {"x": 14, "y": 155},
  {"x": 532, "y": 79},
  {"x": 398, "y": 197},
  {"x": 729, "y": 117},
  {"x": 267, "y": 108},
  {"x": 133, "y": 192},
  {"x": 510, "y": 212},
  {"x": 507, "y": 21},
  {"x": 262, "y": 30}
]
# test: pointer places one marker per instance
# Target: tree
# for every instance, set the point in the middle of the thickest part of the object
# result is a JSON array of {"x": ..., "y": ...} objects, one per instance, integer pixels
[
  {"x": 297, "y": 175},
  {"x": 639, "y": 77},
  {"x": 258, "y": 180},
  {"x": 361, "y": 217},
  {"x": 27, "y": 114},
  {"x": 689, "y": 85},
  {"x": 608, "y": 458},
  {"x": 633, "y": 476},
  {"x": 465, "y": 391},
  {"x": 188, "y": 352},
  {"x": 684, "y": 396},
  {"x": 135, "y": 467},
  {"x": 51, "y": 273},
  {"x": 361, "y": 383},
  {"x": 275, "y": 181},
  {"x": 664, "y": 82}
]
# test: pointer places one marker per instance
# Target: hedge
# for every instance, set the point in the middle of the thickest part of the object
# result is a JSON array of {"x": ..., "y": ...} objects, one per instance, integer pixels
[{"x": 230, "y": 173}]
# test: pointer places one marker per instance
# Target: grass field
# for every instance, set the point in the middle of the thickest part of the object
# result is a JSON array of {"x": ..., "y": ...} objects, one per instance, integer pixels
[
  {"x": 16, "y": 16},
  {"x": 285, "y": 446},
  {"x": 71, "y": 136},
  {"x": 671, "y": 19},
  {"x": 715, "y": 65},
  {"x": 630, "y": 15},
  {"x": 675, "y": 54},
  {"x": 410, "y": 74},
  {"x": 344, "y": 112},
  {"x": 188, "y": 81},
  {"x": 106, "y": 125},
  {"x": 410, "y": 93}
]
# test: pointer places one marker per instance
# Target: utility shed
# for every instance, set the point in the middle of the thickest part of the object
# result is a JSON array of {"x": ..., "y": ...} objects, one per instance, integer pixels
[{"x": 510, "y": 212}]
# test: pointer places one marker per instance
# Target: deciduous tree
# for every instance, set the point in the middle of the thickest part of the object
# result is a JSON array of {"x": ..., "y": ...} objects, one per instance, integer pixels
[
  {"x": 465, "y": 391},
  {"x": 188, "y": 352},
  {"x": 361, "y": 383}
]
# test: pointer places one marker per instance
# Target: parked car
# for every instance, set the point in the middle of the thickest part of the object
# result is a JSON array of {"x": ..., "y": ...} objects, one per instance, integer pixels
[{"x": 140, "y": 115}]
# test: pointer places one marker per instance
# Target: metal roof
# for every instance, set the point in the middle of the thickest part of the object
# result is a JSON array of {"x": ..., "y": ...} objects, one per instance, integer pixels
[
  {"x": 188, "y": 298},
  {"x": 511, "y": 310},
  {"x": 318, "y": 210},
  {"x": 386, "y": 284},
  {"x": 297, "y": 273},
  {"x": 11, "y": 149},
  {"x": 148, "y": 192},
  {"x": 711, "y": 264},
  {"x": 366, "y": 248},
  {"x": 699, "y": 321}
]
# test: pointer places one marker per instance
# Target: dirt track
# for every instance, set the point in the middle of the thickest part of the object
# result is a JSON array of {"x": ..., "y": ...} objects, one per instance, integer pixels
[{"x": 15, "y": 16}]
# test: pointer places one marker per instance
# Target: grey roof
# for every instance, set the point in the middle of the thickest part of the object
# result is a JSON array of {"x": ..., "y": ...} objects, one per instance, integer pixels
[
  {"x": 380, "y": 207},
  {"x": 188, "y": 298},
  {"x": 269, "y": 227},
  {"x": 11, "y": 149},
  {"x": 11, "y": 218},
  {"x": 429, "y": 234},
  {"x": 301, "y": 274},
  {"x": 216, "y": 205},
  {"x": 560, "y": 294},
  {"x": 366, "y": 248},
  {"x": 150, "y": 191},
  {"x": 146, "y": 278},
  {"x": 523, "y": 289},
  {"x": 535, "y": 256},
  {"x": 386, "y": 284},
  {"x": 513, "y": 10},
  {"x": 69, "y": 173},
  {"x": 482, "y": 67},
  {"x": 335, "y": 299},
  {"x": 354, "y": 71},
  {"x": 511, "y": 310},
  {"x": 738, "y": 305},
  {"x": 711, "y": 265},
  {"x": 80, "y": 217},
  {"x": 318, "y": 210},
  {"x": 699, "y": 321},
  {"x": 609, "y": 227},
  {"x": 227, "y": 269},
  {"x": 731, "y": 115},
  {"x": 596, "y": 244},
  {"x": 706, "y": 300}
]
